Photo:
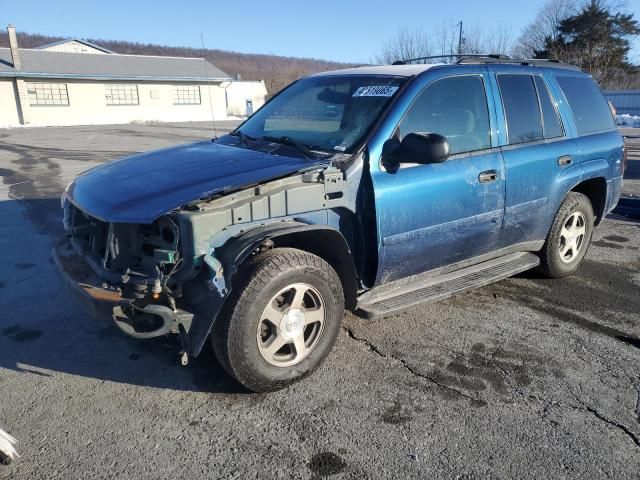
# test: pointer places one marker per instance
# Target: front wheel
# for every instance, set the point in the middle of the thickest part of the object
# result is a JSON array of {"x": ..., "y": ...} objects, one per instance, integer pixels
[
  {"x": 282, "y": 321},
  {"x": 569, "y": 238}
]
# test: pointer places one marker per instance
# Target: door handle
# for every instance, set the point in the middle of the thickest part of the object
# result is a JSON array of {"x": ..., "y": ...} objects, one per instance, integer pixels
[
  {"x": 565, "y": 160},
  {"x": 488, "y": 176}
]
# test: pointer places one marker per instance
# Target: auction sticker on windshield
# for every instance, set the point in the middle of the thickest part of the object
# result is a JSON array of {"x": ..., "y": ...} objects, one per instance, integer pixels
[{"x": 373, "y": 91}]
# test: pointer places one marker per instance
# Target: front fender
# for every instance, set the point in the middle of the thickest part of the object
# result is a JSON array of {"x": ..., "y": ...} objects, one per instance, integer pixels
[{"x": 224, "y": 262}]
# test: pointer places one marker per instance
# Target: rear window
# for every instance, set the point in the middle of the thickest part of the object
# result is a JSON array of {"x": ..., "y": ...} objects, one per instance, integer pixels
[
  {"x": 521, "y": 107},
  {"x": 590, "y": 109}
]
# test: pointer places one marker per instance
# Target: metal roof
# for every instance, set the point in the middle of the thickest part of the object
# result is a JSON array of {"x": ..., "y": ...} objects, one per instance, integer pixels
[
  {"x": 625, "y": 101},
  {"x": 50, "y": 64},
  {"x": 69, "y": 40}
]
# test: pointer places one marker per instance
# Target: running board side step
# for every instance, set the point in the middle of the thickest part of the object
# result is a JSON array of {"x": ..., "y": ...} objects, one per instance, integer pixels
[{"x": 397, "y": 296}]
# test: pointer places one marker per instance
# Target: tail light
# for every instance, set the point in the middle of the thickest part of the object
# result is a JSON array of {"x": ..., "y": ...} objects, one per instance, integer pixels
[{"x": 625, "y": 154}]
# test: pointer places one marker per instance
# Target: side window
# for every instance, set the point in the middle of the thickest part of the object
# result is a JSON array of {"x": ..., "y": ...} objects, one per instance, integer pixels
[
  {"x": 522, "y": 111},
  {"x": 455, "y": 107},
  {"x": 590, "y": 109},
  {"x": 551, "y": 123}
]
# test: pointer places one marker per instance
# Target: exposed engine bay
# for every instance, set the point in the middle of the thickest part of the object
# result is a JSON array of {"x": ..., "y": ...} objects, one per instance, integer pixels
[
  {"x": 131, "y": 250},
  {"x": 136, "y": 263}
]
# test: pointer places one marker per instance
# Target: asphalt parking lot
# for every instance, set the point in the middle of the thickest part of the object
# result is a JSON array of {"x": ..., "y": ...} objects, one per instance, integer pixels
[{"x": 527, "y": 378}]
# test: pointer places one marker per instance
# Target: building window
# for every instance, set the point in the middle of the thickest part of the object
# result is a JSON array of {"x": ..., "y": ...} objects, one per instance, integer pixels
[
  {"x": 186, "y": 95},
  {"x": 48, "y": 94},
  {"x": 117, "y": 94}
]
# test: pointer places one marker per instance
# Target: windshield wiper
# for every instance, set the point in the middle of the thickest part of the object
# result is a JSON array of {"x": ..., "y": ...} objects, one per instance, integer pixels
[
  {"x": 244, "y": 138},
  {"x": 301, "y": 147}
]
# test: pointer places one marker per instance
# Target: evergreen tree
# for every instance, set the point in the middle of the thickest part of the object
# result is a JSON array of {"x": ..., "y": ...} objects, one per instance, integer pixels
[{"x": 595, "y": 39}]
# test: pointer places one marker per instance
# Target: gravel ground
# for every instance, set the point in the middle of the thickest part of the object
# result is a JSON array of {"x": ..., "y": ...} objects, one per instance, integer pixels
[{"x": 527, "y": 378}]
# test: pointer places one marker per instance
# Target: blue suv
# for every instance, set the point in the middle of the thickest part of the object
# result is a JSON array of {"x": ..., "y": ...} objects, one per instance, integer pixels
[{"x": 372, "y": 189}]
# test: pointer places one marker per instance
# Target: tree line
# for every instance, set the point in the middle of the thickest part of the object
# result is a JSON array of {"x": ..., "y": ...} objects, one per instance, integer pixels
[
  {"x": 595, "y": 35},
  {"x": 276, "y": 71}
]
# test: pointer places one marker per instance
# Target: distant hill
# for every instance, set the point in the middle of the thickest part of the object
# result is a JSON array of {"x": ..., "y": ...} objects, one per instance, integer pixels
[{"x": 276, "y": 71}]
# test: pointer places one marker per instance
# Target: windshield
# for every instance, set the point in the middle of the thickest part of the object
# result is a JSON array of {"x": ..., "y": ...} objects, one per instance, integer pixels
[{"x": 324, "y": 113}]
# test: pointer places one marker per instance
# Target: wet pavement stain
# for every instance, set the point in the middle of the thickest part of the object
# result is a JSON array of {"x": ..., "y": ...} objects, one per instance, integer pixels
[
  {"x": 18, "y": 334},
  {"x": 326, "y": 464},
  {"x": 25, "y": 265},
  {"x": 594, "y": 280},
  {"x": 633, "y": 341},
  {"x": 616, "y": 238},
  {"x": 396, "y": 415},
  {"x": 39, "y": 193},
  {"x": 10, "y": 330},
  {"x": 600, "y": 243},
  {"x": 498, "y": 369}
]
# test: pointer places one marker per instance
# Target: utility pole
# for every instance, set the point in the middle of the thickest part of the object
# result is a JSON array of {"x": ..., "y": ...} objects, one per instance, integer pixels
[{"x": 460, "y": 39}]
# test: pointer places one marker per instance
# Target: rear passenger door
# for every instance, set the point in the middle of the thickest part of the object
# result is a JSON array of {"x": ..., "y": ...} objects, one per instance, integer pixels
[{"x": 538, "y": 152}]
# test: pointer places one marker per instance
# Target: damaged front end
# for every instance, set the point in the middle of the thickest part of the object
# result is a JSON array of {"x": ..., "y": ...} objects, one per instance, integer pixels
[
  {"x": 129, "y": 273},
  {"x": 174, "y": 274}
]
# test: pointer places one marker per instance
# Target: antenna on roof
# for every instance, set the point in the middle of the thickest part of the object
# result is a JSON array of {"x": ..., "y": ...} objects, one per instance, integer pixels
[{"x": 206, "y": 74}]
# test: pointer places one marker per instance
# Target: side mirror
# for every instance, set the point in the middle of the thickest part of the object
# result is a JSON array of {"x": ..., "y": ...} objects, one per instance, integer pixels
[{"x": 419, "y": 148}]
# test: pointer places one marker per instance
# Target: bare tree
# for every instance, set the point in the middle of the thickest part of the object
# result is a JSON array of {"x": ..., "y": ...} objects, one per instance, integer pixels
[
  {"x": 499, "y": 39},
  {"x": 546, "y": 25},
  {"x": 406, "y": 44},
  {"x": 473, "y": 40},
  {"x": 445, "y": 41}
]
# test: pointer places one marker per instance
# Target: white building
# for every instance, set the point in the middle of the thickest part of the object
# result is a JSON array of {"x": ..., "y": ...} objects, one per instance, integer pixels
[
  {"x": 243, "y": 97},
  {"x": 78, "y": 83}
]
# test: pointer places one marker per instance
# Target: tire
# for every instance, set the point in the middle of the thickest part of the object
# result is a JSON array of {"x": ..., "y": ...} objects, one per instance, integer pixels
[
  {"x": 261, "y": 311},
  {"x": 577, "y": 208}
]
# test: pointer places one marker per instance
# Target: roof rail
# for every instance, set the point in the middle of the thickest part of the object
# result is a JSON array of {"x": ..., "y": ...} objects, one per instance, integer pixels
[
  {"x": 494, "y": 56},
  {"x": 491, "y": 58},
  {"x": 534, "y": 62}
]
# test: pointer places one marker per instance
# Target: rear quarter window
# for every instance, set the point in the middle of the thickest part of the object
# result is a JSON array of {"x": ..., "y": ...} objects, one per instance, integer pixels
[{"x": 590, "y": 109}]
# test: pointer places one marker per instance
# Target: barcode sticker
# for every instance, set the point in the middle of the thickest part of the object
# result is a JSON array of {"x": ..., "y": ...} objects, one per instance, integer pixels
[{"x": 373, "y": 91}]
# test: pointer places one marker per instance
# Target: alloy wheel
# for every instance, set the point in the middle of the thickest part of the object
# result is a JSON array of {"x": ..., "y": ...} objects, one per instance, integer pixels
[
  {"x": 572, "y": 236},
  {"x": 291, "y": 325}
]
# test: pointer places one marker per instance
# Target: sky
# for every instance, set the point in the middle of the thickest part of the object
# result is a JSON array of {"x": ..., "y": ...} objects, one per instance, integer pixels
[{"x": 341, "y": 30}]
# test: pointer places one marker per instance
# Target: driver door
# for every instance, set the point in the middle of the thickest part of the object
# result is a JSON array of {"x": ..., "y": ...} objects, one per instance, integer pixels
[{"x": 442, "y": 213}]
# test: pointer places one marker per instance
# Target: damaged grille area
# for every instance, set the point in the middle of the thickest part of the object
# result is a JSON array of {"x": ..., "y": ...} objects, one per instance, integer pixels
[{"x": 129, "y": 250}]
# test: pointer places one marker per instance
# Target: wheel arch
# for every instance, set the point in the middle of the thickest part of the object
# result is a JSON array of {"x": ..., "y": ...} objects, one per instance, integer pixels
[
  {"x": 321, "y": 240},
  {"x": 595, "y": 189}
]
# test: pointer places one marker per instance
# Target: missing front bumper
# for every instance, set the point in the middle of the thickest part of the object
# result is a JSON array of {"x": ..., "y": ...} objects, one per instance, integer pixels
[{"x": 105, "y": 302}]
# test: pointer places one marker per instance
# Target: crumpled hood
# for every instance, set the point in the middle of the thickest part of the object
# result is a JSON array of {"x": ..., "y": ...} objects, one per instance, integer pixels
[{"x": 140, "y": 188}]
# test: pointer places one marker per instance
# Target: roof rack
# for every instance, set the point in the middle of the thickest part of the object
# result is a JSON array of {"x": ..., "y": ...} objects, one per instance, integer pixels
[
  {"x": 459, "y": 56},
  {"x": 491, "y": 58}
]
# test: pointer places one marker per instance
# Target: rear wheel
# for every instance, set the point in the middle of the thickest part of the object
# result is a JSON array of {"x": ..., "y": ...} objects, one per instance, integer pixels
[
  {"x": 569, "y": 237},
  {"x": 282, "y": 320}
]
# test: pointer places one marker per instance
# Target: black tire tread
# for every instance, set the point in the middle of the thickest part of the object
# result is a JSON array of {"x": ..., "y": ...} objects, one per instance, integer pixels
[
  {"x": 550, "y": 264},
  {"x": 252, "y": 278}
]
